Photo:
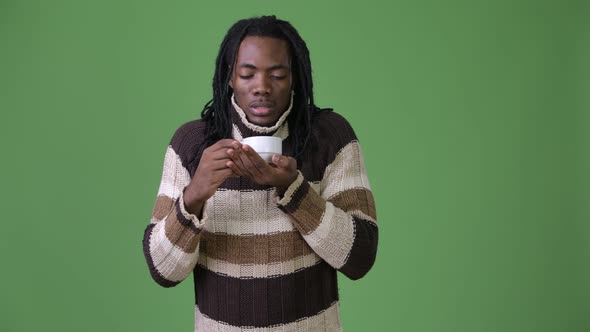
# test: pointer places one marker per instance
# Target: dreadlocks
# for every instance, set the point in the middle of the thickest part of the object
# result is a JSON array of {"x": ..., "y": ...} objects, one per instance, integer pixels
[{"x": 216, "y": 112}]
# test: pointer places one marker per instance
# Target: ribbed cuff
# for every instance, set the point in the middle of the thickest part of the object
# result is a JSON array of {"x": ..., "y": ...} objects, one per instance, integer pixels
[
  {"x": 292, "y": 196},
  {"x": 198, "y": 223}
]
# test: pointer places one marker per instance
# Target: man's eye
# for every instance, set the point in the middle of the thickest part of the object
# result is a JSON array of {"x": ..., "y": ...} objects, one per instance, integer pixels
[
  {"x": 246, "y": 76},
  {"x": 278, "y": 77}
]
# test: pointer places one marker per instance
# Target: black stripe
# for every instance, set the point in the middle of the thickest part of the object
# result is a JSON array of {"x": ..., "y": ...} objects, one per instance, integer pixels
[
  {"x": 296, "y": 197},
  {"x": 243, "y": 184},
  {"x": 364, "y": 249},
  {"x": 262, "y": 302},
  {"x": 189, "y": 143},
  {"x": 148, "y": 257},
  {"x": 330, "y": 133}
]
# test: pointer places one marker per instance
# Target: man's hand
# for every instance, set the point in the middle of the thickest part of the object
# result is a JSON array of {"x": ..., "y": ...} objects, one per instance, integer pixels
[
  {"x": 246, "y": 162},
  {"x": 210, "y": 173}
]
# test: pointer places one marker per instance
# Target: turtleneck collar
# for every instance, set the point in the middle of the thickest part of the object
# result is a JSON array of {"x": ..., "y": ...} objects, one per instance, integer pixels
[{"x": 243, "y": 128}]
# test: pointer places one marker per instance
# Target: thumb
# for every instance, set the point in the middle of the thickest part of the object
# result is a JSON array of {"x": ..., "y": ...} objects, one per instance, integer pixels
[{"x": 280, "y": 161}]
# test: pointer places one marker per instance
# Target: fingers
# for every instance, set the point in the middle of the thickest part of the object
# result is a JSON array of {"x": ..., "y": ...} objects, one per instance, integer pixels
[
  {"x": 256, "y": 159},
  {"x": 222, "y": 144},
  {"x": 236, "y": 170},
  {"x": 227, "y": 173},
  {"x": 220, "y": 149},
  {"x": 240, "y": 159},
  {"x": 284, "y": 162},
  {"x": 246, "y": 162},
  {"x": 221, "y": 154},
  {"x": 252, "y": 161},
  {"x": 216, "y": 165}
]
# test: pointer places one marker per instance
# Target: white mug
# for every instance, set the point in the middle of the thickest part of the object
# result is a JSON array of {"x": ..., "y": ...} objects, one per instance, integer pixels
[{"x": 265, "y": 146}]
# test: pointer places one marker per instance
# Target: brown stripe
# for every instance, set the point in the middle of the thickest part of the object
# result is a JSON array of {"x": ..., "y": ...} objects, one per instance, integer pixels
[
  {"x": 162, "y": 207},
  {"x": 307, "y": 208},
  {"x": 182, "y": 219},
  {"x": 254, "y": 249},
  {"x": 183, "y": 237},
  {"x": 179, "y": 231},
  {"x": 355, "y": 199},
  {"x": 264, "y": 302}
]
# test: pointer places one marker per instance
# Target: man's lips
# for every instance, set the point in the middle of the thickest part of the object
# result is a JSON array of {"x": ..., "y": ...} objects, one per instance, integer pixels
[
  {"x": 260, "y": 111},
  {"x": 261, "y": 108}
]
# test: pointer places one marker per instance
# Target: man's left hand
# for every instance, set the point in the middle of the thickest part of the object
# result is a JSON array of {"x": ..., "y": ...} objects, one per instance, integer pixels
[{"x": 246, "y": 162}]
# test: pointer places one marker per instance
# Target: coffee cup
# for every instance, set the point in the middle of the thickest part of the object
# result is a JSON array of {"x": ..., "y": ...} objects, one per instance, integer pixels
[{"x": 265, "y": 146}]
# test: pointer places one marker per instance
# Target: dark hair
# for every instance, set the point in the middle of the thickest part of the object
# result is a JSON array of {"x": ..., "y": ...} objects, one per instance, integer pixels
[{"x": 216, "y": 112}]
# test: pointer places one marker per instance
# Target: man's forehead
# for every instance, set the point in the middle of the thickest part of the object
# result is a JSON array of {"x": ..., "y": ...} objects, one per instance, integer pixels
[
  {"x": 272, "y": 67},
  {"x": 256, "y": 51}
]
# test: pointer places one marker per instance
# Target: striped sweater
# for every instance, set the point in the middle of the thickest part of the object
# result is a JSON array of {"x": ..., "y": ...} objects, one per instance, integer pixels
[{"x": 260, "y": 261}]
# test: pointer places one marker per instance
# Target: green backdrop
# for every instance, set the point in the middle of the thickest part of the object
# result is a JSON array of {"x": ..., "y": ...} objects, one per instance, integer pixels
[{"x": 473, "y": 116}]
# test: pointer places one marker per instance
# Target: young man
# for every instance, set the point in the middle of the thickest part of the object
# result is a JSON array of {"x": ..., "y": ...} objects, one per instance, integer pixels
[{"x": 264, "y": 241}]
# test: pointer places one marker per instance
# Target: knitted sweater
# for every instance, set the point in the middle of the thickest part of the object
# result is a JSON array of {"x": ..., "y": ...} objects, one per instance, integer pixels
[{"x": 261, "y": 262}]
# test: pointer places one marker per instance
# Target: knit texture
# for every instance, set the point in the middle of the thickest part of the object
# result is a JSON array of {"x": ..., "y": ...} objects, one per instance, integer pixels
[{"x": 260, "y": 261}]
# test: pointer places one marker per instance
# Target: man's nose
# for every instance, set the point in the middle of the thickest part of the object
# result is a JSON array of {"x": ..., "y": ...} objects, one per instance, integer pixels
[{"x": 262, "y": 85}]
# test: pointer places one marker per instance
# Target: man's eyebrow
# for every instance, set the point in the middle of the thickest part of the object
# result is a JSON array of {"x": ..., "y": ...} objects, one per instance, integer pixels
[
  {"x": 274, "y": 67},
  {"x": 247, "y": 65}
]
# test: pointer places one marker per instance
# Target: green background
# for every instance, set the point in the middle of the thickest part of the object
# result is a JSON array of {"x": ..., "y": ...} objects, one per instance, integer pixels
[{"x": 473, "y": 116}]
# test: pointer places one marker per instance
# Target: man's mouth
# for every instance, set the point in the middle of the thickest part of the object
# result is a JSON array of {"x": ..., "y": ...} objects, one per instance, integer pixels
[
  {"x": 261, "y": 108},
  {"x": 261, "y": 111}
]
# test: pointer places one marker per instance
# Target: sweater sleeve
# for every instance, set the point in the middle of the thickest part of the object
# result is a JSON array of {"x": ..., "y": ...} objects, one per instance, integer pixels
[
  {"x": 171, "y": 240},
  {"x": 339, "y": 223}
]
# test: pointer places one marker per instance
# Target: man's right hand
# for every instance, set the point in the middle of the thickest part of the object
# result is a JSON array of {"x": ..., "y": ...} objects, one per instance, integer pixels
[{"x": 210, "y": 173}]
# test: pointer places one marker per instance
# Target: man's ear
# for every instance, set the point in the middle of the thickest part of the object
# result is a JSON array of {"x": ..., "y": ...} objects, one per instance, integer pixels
[{"x": 231, "y": 77}]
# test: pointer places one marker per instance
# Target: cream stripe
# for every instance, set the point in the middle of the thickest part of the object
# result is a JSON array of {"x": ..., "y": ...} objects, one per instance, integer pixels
[
  {"x": 241, "y": 213},
  {"x": 174, "y": 176},
  {"x": 327, "y": 320},
  {"x": 334, "y": 236},
  {"x": 360, "y": 214},
  {"x": 236, "y": 133},
  {"x": 171, "y": 262},
  {"x": 315, "y": 185},
  {"x": 258, "y": 270},
  {"x": 167, "y": 189},
  {"x": 283, "y": 131},
  {"x": 347, "y": 171}
]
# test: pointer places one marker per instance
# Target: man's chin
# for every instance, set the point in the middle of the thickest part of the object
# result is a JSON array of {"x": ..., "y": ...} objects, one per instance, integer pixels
[{"x": 262, "y": 121}]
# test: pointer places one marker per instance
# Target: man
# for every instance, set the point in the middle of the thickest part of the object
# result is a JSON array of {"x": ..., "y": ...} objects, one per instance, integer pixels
[{"x": 264, "y": 241}]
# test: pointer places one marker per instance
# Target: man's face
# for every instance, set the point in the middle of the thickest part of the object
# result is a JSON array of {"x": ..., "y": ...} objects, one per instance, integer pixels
[{"x": 262, "y": 79}]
